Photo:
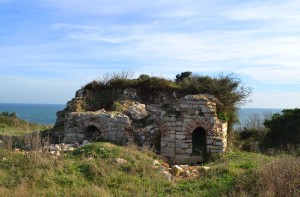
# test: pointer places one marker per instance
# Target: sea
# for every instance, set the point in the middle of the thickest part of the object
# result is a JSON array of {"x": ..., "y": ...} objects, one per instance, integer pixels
[
  {"x": 36, "y": 113},
  {"x": 46, "y": 113}
]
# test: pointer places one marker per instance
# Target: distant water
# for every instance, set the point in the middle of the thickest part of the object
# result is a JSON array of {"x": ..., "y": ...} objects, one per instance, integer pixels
[
  {"x": 46, "y": 113},
  {"x": 245, "y": 113},
  {"x": 37, "y": 113}
]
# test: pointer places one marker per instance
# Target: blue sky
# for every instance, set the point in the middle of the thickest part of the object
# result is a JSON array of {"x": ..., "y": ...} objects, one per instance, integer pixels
[{"x": 50, "y": 48}]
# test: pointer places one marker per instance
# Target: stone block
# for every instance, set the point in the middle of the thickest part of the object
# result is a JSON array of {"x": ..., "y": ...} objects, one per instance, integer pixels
[
  {"x": 189, "y": 151},
  {"x": 212, "y": 147},
  {"x": 186, "y": 116},
  {"x": 189, "y": 97},
  {"x": 182, "y": 145},
  {"x": 195, "y": 106},
  {"x": 180, "y": 151},
  {"x": 179, "y": 128},
  {"x": 172, "y": 132},
  {"x": 176, "y": 170},
  {"x": 180, "y": 137},
  {"x": 184, "y": 106}
]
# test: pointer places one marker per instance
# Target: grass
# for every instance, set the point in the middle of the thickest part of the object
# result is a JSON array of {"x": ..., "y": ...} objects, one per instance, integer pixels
[
  {"x": 14, "y": 126},
  {"x": 89, "y": 171},
  {"x": 93, "y": 171}
]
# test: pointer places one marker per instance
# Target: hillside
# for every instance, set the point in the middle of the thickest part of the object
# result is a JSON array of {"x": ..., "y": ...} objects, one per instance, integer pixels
[
  {"x": 10, "y": 125},
  {"x": 104, "y": 169}
]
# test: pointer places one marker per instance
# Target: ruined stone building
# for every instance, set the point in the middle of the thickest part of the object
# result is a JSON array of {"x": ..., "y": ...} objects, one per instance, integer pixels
[{"x": 184, "y": 130}]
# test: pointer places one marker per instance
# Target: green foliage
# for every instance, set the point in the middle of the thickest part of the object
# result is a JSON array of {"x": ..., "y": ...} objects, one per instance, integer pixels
[
  {"x": 7, "y": 114},
  {"x": 228, "y": 89},
  {"x": 150, "y": 89},
  {"x": 223, "y": 116},
  {"x": 284, "y": 129}
]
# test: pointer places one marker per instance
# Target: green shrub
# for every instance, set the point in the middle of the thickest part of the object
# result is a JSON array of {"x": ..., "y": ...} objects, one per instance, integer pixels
[{"x": 284, "y": 129}]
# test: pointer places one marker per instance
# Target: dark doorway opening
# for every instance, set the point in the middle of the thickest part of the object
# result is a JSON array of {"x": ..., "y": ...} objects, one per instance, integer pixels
[
  {"x": 199, "y": 142},
  {"x": 157, "y": 141},
  {"x": 92, "y": 133}
]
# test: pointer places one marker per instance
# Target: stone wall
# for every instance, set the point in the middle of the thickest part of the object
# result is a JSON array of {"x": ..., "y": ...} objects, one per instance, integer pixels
[{"x": 109, "y": 126}]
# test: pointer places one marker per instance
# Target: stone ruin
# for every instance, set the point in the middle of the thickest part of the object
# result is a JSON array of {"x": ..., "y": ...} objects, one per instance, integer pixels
[{"x": 184, "y": 130}]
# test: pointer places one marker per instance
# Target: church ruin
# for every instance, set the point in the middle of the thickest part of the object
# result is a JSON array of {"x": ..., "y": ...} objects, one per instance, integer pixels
[{"x": 184, "y": 130}]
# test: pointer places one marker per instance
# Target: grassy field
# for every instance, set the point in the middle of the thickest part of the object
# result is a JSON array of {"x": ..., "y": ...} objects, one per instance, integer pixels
[{"x": 93, "y": 171}]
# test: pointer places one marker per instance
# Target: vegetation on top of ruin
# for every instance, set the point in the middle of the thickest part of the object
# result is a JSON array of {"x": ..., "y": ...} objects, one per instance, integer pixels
[{"x": 108, "y": 91}]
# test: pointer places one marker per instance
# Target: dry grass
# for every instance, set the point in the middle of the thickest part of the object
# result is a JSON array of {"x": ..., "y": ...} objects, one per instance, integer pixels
[{"x": 280, "y": 178}]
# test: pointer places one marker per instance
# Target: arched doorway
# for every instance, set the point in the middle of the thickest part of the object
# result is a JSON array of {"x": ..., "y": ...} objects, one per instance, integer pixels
[
  {"x": 92, "y": 133},
  {"x": 199, "y": 142}
]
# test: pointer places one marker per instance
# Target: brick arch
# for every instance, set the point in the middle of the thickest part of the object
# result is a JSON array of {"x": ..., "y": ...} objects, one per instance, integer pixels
[
  {"x": 162, "y": 125},
  {"x": 196, "y": 123},
  {"x": 99, "y": 123}
]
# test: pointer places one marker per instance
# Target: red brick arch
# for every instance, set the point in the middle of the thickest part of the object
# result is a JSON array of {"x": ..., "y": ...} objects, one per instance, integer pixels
[{"x": 195, "y": 123}]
